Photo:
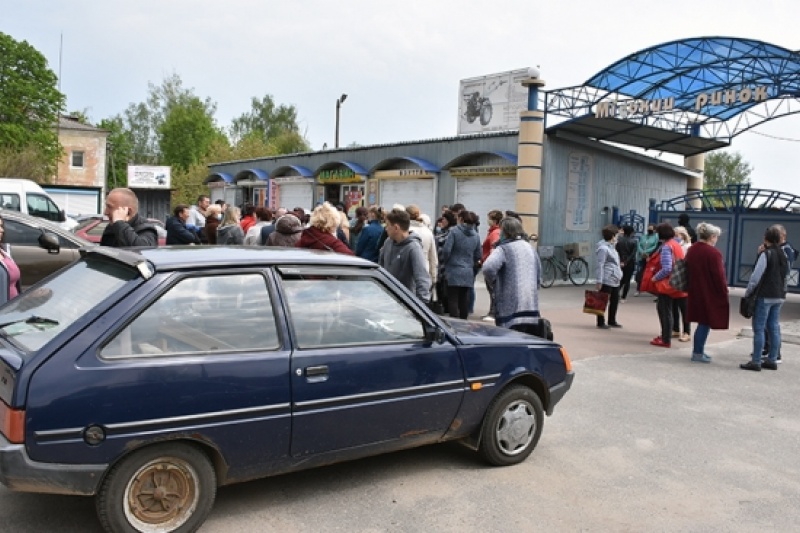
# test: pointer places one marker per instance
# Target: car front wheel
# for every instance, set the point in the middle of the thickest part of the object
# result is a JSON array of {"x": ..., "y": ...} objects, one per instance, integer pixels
[
  {"x": 512, "y": 426},
  {"x": 165, "y": 488}
]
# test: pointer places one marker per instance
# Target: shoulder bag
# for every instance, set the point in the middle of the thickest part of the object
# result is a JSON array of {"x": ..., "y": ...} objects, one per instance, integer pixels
[
  {"x": 679, "y": 278},
  {"x": 747, "y": 305}
]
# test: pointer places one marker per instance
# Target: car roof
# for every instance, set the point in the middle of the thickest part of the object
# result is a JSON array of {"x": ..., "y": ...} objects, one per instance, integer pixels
[
  {"x": 164, "y": 258},
  {"x": 46, "y": 225}
]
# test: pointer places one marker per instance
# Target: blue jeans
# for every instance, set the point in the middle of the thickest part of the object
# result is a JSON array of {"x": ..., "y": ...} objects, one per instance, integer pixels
[
  {"x": 767, "y": 315},
  {"x": 700, "y": 338}
]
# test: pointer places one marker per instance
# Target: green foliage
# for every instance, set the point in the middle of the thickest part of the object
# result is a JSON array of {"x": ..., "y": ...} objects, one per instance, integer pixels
[
  {"x": 174, "y": 127},
  {"x": 189, "y": 183},
  {"x": 29, "y": 106},
  {"x": 28, "y": 162},
  {"x": 143, "y": 120},
  {"x": 268, "y": 122},
  {"x": 186, "y": 133},
  {"x": 119, "y": 149},
  {"x": 82, "y": 116},
  {"x": 725, "y": 168}
]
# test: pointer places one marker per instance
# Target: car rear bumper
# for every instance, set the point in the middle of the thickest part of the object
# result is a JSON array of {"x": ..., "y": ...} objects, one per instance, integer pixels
[
  {"x": 18, "y": 472},
  {"x": 558, "y": 391}
]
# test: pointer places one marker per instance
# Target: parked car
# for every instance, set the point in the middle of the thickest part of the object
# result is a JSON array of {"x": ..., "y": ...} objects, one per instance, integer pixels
[
  {"x": 36, "y": 255},
  {"x": 150, "y": 377},
  {"x": 91, "y": 227}
]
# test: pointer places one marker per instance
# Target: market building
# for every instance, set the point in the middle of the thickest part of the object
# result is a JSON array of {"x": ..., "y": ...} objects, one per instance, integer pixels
[{"x": 555, "y": 157}]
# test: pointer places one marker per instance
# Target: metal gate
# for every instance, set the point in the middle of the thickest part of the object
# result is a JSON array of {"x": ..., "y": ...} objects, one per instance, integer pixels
[{"x": 744, "y": 214}]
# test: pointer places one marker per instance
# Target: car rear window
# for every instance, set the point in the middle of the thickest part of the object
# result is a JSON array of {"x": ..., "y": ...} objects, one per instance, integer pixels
[{"x": 38, "y": 315}]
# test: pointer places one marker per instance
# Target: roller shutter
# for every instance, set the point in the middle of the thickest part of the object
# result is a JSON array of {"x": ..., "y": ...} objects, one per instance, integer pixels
[
  {"x": 481, "y": 195},
  {"x": 420, "y": 192},
  {"x": 291, "y": 195}
]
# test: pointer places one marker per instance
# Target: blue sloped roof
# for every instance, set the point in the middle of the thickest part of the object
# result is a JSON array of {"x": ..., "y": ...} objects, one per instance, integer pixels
[
  {"x": 355, "y": 167},
  {"x": 685, "y": 69},
  {"x": 219, "y": 176},
  {"x": 261, "y": 175},
  {"x": 512, "y": 158},
  {"x": 300, "y": 169}
]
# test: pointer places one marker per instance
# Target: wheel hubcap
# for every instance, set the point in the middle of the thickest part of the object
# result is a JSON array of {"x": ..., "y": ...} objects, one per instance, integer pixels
[
  {"x": 516, "y": 428},
  {"x": 161, "y": 496}
]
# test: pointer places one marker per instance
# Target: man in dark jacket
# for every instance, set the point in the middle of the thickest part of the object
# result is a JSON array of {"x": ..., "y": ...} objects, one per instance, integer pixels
[
  {"x": 125, "y": 226},
  {"x": 627, "y": 245},
  {"x": 177, "y": 232},
  {"x": 403, "y": 257}
]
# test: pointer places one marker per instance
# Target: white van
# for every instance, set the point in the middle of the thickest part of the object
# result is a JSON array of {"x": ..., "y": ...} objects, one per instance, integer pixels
[{"x": 28, "y": 197}]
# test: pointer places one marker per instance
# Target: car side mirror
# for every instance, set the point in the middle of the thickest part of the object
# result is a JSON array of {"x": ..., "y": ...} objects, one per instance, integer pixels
[
  {"x": 434, "y": 333},
  {"x": 62, "y": 216},
  {"x": 49, "y": 242}
]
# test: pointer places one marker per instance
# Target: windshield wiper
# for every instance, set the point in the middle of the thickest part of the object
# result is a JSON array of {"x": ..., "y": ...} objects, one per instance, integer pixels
[{"x": 33, "y": 319}]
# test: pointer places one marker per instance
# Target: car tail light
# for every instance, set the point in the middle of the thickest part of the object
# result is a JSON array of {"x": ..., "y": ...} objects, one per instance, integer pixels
[
  {"x": 12, "y": 423},
  {"x": 567, "y": 362}
]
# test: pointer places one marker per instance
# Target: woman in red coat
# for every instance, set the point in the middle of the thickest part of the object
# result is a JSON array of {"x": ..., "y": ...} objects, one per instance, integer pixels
[
  {"x": 708, "y": 288},
  {"x": 321, "y": 234}
]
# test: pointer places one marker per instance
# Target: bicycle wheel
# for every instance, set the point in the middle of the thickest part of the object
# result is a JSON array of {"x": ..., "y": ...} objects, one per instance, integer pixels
[
  {"x": 578, "y": 271},
  {"x": 548, "y": 272}
]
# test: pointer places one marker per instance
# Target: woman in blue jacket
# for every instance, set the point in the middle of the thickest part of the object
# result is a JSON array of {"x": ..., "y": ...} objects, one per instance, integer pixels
[
  {"x": 461, "y": 255},
  {"x": 370, "y": 236}
]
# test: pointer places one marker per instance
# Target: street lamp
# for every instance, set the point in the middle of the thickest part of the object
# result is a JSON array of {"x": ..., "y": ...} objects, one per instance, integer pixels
[{"x": 339, "y": 102}]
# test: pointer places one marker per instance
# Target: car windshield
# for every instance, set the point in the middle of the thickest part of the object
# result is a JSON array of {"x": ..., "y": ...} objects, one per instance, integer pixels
[{"x": 38, "y": 315}]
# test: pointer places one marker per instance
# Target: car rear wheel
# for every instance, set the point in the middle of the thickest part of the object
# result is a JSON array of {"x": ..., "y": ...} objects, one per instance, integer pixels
[
  {"x": 512, "y": 426},
  {"x": 159, "y": 489}
]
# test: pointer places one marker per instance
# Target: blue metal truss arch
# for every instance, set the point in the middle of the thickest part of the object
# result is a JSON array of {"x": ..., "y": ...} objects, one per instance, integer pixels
[{"x": 719, "y": 70}]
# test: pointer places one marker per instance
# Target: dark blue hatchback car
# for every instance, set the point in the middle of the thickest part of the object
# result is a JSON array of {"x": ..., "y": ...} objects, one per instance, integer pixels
[{"x": 149, "y": 378}]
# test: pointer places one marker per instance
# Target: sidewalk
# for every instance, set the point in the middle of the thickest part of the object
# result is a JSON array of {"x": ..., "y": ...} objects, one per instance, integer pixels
[{"x": 576, "y": 331}]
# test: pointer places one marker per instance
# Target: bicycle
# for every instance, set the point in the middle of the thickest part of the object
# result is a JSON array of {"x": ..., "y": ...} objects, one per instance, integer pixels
[{"x": 576, "y": 268}]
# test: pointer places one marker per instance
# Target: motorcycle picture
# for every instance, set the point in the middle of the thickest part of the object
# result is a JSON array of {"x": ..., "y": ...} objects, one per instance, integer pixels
[{"x": 478, "y": 105}]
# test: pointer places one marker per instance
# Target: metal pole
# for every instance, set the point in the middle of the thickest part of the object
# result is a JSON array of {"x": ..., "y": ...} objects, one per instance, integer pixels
[{"x": 336, "y": 140}]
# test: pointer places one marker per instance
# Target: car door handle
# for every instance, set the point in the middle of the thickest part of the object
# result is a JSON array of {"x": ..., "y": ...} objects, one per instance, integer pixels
[{"x": 315, "y": 374}]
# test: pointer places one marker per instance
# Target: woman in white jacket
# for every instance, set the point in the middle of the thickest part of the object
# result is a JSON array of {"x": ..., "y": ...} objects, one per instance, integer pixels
[{"x": 609, "y": 275}]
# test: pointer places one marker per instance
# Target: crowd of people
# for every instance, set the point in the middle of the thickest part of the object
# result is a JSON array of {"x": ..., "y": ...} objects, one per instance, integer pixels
[
  {"x": 439, "y": 261},
  {"x": 705, "y": 299},
  {"x": 436, "y": 261}
]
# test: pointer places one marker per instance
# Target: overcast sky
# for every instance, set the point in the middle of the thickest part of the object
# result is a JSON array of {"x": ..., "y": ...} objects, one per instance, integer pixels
[{"x": 398, "y": 62}]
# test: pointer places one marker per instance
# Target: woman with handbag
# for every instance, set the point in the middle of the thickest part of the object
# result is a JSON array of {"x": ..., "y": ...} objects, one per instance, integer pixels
[
  {"x": 768, "y": 286},
  {"x": 661, "y": 266},
  {"x": 679, "y": 304},
  {"x": 609, "y": 275},
  {"x": 708, "y": 289}
]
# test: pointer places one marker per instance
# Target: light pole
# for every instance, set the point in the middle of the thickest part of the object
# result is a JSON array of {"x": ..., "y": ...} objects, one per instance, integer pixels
[{"x": 339, "y": 102}]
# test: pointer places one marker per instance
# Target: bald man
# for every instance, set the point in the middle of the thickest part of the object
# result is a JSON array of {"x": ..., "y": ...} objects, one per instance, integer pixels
[{"x": 125, "y": 226}]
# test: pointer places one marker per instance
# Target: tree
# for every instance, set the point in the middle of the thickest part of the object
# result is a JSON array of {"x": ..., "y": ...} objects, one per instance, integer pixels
[
  {"x": 268, "y": 122},
  {"x": 143, "y": 120},
  {"x": 726, "y": 168},
  {"x": 30, "y": 105},
  {"x": 119, "y": 150},
  {"x": 186, "y": 133}
]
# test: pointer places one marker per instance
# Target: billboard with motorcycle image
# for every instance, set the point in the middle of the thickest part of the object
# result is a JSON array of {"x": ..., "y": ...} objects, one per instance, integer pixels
[{"x": 492, "y": 102}]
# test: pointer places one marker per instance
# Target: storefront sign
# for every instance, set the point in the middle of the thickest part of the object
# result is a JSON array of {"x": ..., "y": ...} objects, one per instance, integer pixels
[
  {"x": 147, "y": 177},
  {"x": 403, "y": 173},
  {"x": 625, "y": 108},
  {"x": 290, "y": 179},
  {"x": 339, "y": 175},
  {"x": 488, "y": 171}
]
